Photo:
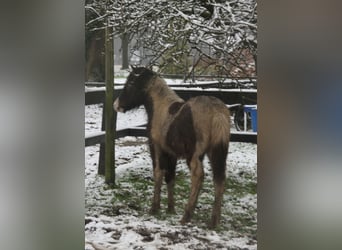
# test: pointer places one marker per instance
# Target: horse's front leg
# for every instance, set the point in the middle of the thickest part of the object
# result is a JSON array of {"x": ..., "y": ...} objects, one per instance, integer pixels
[{"x": 158, "y": 174}]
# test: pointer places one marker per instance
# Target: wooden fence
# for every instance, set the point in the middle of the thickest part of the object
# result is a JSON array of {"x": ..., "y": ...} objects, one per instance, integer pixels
[{"x": 228, "y": 96}]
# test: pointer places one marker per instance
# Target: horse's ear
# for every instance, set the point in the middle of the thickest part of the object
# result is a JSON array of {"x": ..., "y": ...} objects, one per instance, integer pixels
[{"x": 133, "y": 68}]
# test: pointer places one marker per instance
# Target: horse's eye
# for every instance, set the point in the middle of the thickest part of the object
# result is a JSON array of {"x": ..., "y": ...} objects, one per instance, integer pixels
[{"x": 130, "y": 85}]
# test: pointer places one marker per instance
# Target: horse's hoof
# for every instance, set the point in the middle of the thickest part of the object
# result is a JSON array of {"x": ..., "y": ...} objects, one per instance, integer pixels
[
  {"x": 214, "y": 223},
  {"x": 154, "y": 210},
  {"x": 185, "y": 219},
  {"x": 171, "y": 211}
]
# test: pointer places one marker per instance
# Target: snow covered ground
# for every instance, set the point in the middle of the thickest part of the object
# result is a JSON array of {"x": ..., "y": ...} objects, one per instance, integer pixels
[{"x": 118, "y": 218}]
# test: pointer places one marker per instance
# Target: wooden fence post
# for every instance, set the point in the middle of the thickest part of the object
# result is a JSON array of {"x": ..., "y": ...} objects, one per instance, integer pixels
[
  {"x": 109, "y": 110},
  {"x": 101, "y": 169}
]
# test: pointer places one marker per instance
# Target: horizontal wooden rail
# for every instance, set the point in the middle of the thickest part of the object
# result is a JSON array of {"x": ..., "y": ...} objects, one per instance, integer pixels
[
  {"x": 95, "y": 138},
  {"x": 225, "y": 84},
  {"x": 228, "y": 96},
  {"x": 99, "y": 137}
]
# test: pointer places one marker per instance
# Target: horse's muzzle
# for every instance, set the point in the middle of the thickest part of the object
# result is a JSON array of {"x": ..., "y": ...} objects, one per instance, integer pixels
[{"x": 117, "y": 107}]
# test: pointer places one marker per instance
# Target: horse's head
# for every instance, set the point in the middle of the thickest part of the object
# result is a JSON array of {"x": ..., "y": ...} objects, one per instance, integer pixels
[{"x": 134, "y": 92}]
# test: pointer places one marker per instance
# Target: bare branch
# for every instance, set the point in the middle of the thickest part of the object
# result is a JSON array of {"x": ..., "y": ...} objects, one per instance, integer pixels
[{"x": 224, "y": 31}]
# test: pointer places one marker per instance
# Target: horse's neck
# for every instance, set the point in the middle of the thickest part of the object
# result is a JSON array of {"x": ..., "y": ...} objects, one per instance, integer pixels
[
  {"x": 160, "y": 98},
  {"x": 162, "y": 95}
]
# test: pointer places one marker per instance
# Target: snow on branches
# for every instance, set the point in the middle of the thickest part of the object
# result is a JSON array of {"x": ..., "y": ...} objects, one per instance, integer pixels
[{"x": 209, "y": 33}]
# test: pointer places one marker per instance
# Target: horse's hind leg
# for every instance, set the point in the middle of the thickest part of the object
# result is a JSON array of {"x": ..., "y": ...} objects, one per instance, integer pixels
[
  {"x": 218, "y": 156},
  {"x": 169, "y": 162},
  {"x": 197, "y": 176}
]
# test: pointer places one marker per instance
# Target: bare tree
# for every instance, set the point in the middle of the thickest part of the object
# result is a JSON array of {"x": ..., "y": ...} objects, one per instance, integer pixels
[
  {"x": 216, "y": 36},
  {"x": 94, "y": 44}
]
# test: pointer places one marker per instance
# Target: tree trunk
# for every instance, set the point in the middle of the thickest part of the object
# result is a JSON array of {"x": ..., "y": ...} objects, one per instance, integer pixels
[
  {"x": 95, "y": 61},
  {"x": 110, "y": 120},
  {"x": 124, "y": 45}
]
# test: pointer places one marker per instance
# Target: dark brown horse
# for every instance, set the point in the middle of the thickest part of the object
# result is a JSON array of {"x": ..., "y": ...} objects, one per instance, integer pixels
[{"x": 179, "y": 129}]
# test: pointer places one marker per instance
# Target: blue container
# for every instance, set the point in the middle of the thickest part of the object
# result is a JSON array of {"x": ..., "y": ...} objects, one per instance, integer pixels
[{"x": 253, "y": 110}]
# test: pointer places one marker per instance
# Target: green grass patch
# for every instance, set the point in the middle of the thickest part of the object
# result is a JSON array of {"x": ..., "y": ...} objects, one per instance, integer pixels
[
  {"x": 134, "y": 193},
  {"x": 240, "y": 188}
]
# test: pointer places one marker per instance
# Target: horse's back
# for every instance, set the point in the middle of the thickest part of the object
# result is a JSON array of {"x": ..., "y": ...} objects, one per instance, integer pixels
[
  {"x": 211, "y": 118},
  {"x": 198, "y": 124},
  {"x": 208, "y": 104},
  {"x": 209, "y": 108}
]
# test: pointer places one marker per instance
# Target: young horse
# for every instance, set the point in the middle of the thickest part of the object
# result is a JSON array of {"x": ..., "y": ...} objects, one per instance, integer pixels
[{"x": 177, "y": 129}]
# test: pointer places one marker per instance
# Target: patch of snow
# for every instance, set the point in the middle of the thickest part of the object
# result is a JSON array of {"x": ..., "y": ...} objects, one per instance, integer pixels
[
  {"x": 132, "y": 118},
  {"x": 126, "y": 228}
]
